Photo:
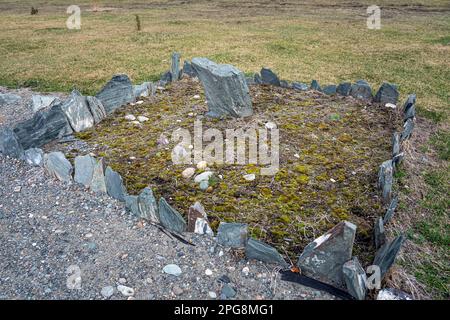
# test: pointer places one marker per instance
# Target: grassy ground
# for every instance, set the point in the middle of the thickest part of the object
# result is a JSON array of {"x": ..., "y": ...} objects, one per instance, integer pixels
[{"x": 300, "y": 40}]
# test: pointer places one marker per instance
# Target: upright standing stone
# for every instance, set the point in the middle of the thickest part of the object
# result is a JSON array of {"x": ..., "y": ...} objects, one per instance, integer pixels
[
  {"x": 361, "y": 90},
  {"x": 175, "y": 66},
  {"x": 315, "y": 85},
  {"x": 131, "y": 203},
  {"x": 324, "y": 258},
  {"x": 390, "y": 211},
  {"x": 388, "y": 93},
  {"x": 344, "y": 88},
  {"x": 263, "y": 252},
  {"x": 225, "y": 88},
  {"x": 378, "y": 233},
  {"x": 116, "y": 93},
  {"x": 232, "y": 235},
  {"x": 58, "y": 166},
  {"x": 171, "y": 218},
  {"x": 84, "y": 170},
  {"x": 355, "y": 278},
  {"x": 408, "y": 128},
  {"x": 269, "y": 77},
  {"x": 9, "y": 144},
  {"x": 385, "y": 179},
  {"x": 96, "y": 108},
  {"x": 77, "y": 112},
  {"x": 148, "y": 209},
  {"x": 385, "y": 256},
  {"x": 329, "y": 90},
  {"x": 395, "y": 144},
  {"x": 45, "y": 126},
  {"x": 409, "y": 107},
  {"x": 98, "y": 177},
  {"x": 114, "y": 185}
]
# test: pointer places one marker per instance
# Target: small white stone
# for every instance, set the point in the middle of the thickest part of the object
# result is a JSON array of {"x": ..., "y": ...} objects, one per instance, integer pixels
[
  {"x": 130, "y": 117},
  {"x": 122, "y": 280},
  {"x": 270, "y": 125},
  {"x": 142, "y": 118},
  {"x": 126, "y": 291},
  {"x": 190, "y": 114},
  {"x": 202, "y": 165},
  {"x": 135, "y": 122},
  {"x": 212, "y": 295},
  {"x": 390, "y": 105},
  {"x": 250, "y": 177},
  {"x": 332, "y": 180},
  {"x": 245, "y": 271},
  {"x": 197, "y": 96},
  {"x": 208, "y": 272},
  {"x": 220, "y": 253},
  {"x": 297, "y": 155},
  {"x": 107, "y": 291},
  {"x": 17, "y": 189},
  {"x": 203, "y": 176},
  {"x": 132, "y": 158},
  {"x": 172, "y": 269},
  {"x": 140, "y": 102},
  {"x": 188, "y": 173}
]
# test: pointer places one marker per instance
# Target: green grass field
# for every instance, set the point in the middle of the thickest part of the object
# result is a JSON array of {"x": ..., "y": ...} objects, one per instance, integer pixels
[{"x": 300, "y": 40}]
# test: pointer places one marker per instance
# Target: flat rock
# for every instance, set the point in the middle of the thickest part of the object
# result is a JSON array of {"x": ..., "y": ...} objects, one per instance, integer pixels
[
  {"x": 96, "y": 108},
  {"x": 44, "y": 127},
  {"x": 9, "y": 143},
  {"x": 232, "y": 235},
  {"x": 344, "y": 88},
  {"x": 355, "y": 278},
  {"x": 116, "y": 93},
  {"x": 172, "y": 269},
  {"x": 204, "y": 176},
  {"x": 361, "y": 90},
  {"x": 228, "y": 291},
  {"x": 263, "y": 252},
  {"x": 9, "y": 98},
  {"x": 34, "y": 157},
  {"x": 269, "y": 77},
  {"x": 77, "y": 112},
  {"x": 58, "y": 166},
  {"x": 385, "y": 179},
  {"x": 171, "y": 218},
  {"x": 388, "y": 93},
  {"x": 300, "y": 86},
  {"x": 107, "y": 291},
  {"x": 390, "y": 211},
  {"x": 84, "y": 169},
  {"x": 225, "y": 88},
  {"x": 378, "y": 233},
  {"x": 175, "y": 66},
  {"x": 148, "y": 208},
  {"x": 385, "y": 256},
  {"x": 39, "y": 102},
  {"x": 98, "y": 183},
  {"x": 114, "y": 185},
  {"x": 329, "y": 90},
  {"x": 324, "y": 258}
]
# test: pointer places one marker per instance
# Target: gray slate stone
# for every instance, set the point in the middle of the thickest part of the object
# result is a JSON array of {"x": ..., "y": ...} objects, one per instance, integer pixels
[
  {"x": 284, "y": 84},
  {"x": 225, "y": 88},
  {"x": 361, "y": 90},
  {"x": 355, "y": 278},
  {"x": 269, "y": 77},
  {"x": 315, "y": 85},
  {"x": 300, "y": 86},
  {"x": 116, "y": 93},
  {"x": 96, "y": 108},
  {"x": 98, "y": 183},
  {"x": 388, "y": 93},
  {"x": 232, "y": 235},
  {"x": 250, "y": 81},
  {"x": 114, "y": 185},
  {"x": 175, "y": 67},
  {"x": 258, "y": 79},
  {"x": 131, "y": 203},
  {"x": 9, "y": 144},
  {"x": 77, "y": 112},
  {"x": 397, "y": 159},
  {"x": 45, "y": 126},
  {"x": 34, "y": 157},
  {"x": 171, "y": 218},
  {"x": 408, "y": 128},
  {"x": 395, "y": 144},
  {"x": 9, "y": 98},
  {"x": 261, "y": 251},
  {"x": 409, "y": 109},
  {"x": 58, "y": 166},
  {"x": 142, "y": 90},
  {"x": 390, "y": 211},
  {"x": 378, "y": 233},
  {"x": 344, "y": 88},
  {"x": 188, "y": 69},
  {"x": 39, "y": 102},
  {"x": 385, "y": 179},
  {"x": 228, "y": 291},
  {"x": 324, "y": 258},
  {"x": 84, "y": 169},
  {"x": 148, "y": 208},
  {"x": 329, "y": 90},
  {"x": 385, "y": 256}
]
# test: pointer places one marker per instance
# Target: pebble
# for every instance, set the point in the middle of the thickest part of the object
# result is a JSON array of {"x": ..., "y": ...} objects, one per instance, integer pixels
[
  {"x": 122, "y": 280},
  {"x": 202, "y": 165},
  {"x": 107, "y": 291},
  {"x": 126, "y": 291},
  {"x": 212, "y": 295},
  {"x": 177, "y": 290},
  {"x": 228, "y": 291},
  {"x": 203, "y": 176},
  {"x": 270, "y": 125},
  {"x": 17, "y": 189},
  {"x": 130, "y": 117},
  {"x": 250, "y": 177},
  {"x": 204, "y": 185},
  {"x": 188, "y": 173},
  {"x": 172, "y": 269},
  {"x": 245, "y": 270},
  {"x": 142, "y": 118},
  {"x": 208, "y": 272},
  {"x": 390, "y": 105},
  {"x": 197, "y": 96}
]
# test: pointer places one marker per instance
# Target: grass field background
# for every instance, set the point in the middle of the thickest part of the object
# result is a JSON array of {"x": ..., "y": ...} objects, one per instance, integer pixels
[{"x": 300, "y": 40}]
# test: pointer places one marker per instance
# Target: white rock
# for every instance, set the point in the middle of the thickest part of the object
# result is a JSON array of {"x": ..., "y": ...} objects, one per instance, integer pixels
[
  {"x": 212, "y": 295},
  {"x": 208, "y": 272},
  {"x": 250, "y": 177},
  {"x": 390, "y": 105},
  {"x": 297, "y": 155},
  {"x": 245, "y": 271},
  {"x": 203, "y": 176},
  {"x": 202, "y": 165},
  {"x": 126, "y": 291},
  {"x": 135, "y": 122},
  {"x": 270, "y": 125},
  {"x": 197, "y": 96},
  {"x": 40, "y": 102},
  {"x": 107, "y": 291},
  {"x": 130, "y": 117},
  {"x": 17, "y": 189},
  {"x": 142, "y": 118},
  {"x": 188, "y": 173},
  {"x": 139, "y": 102},
  {"x": 172, "y": 269},
  {"x": 332, "y": 180}
]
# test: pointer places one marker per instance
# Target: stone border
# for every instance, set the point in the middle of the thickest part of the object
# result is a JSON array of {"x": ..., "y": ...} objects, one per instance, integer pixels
[{"x": 328, "y": 258}]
